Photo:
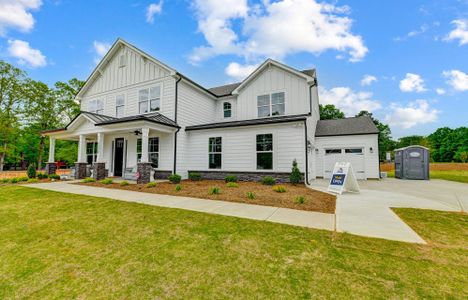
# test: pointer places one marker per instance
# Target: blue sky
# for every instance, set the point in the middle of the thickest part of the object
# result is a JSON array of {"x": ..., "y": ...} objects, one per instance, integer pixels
[{"x": 406, "y": 61}]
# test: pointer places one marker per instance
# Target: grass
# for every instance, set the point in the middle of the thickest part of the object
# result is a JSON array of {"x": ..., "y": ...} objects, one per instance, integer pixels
[
  {"x": 56, "y": 245},
  {"x": 453, "y": 175}
]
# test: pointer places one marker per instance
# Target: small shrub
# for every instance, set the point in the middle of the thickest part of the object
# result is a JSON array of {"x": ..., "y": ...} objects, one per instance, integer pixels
[
  {"x": 250, "y": 195},
  {"x": 89, "y": 179},
  {"x": 214, "y": 191},
  {"x": 42, "y": 176},
  {"x": 295, "y": 177},
  {"x": 124, "y": 183},
  {"x": 232, "y": 185},
  {"x": 23, "y": 179},
  {"x": 279, "y": 189},
  {"x": 175, "y": 178},
  {"x": 268, "y": 180},
  {"x": 33, "y": 180},
  {"x": 151, "y": 184},
  {"x": 178, "y": 188},
  {"x": 106, "y": 181},
  {"x": 54, "y": 176},
  {"x": 31, "y": 171},
  {"x": 299, "y": 200},
  {"x": 230, "y": 178},
  {"x": 5, "y": 180},
  {"x": 194, "y": 176},
  {"x": 14, "y": 180}
]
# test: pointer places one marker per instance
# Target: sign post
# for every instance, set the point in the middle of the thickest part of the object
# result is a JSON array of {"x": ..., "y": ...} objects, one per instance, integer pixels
[{"x": 343, "y": 179}]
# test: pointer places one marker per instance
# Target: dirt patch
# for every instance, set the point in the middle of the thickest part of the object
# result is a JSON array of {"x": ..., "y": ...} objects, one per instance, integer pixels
[{"x": 264, "y": 194}]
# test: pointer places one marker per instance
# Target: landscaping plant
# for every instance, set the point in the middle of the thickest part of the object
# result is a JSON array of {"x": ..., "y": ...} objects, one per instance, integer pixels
[
  {"x": 268, "y": 180},
  {"x": 250, "y": 195},
  {"x": 295, "y": 177},
  {"x": 232, "y": 185},
  {"x": 5, "y": 180},
  {"x": 31, "y": 171},
  {"x": 230, "y": 178},
  {"x": 33, "y": 180},
  {"x": 54, "y": 176},
  {"x": 151, "y": 184},
  {"x": 178, "y": 188},
  {"x": 214, "y": 191},
  {"x": 42, "y": 175},
  {"x": 175, "y": 178},
  {"x": 279, "y": 189},
  {"x": 106, "y": 181},
  {"x": 14, "y": 180},
  {"x": 194, "y": 176},
  {"x": 23, "y": 179},
  {"x": 89, "y": 179},
  {"x": 124, "y": 183},
  {"x": 299, "y": 200}
]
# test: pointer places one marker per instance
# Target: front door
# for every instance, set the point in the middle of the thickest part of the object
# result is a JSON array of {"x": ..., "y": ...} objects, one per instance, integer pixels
[{"x": 118, "y": 157}]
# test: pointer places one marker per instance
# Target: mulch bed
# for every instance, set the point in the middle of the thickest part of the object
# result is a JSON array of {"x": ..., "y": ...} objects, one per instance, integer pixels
[{"x": 264, "y": 195}]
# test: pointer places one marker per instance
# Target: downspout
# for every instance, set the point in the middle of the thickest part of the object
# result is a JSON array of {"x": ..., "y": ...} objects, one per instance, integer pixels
[
  {"x": 306, "y": 155},
  {"x": 175, "y": 120}
]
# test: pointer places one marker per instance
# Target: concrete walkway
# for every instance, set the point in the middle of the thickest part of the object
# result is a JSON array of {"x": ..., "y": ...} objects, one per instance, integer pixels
[
  {"x": 369, "y": 212},
  {"x": 249, "y": 211}
]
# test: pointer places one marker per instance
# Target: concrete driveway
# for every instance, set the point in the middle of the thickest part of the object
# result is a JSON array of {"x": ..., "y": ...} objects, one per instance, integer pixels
[{"x": 369, "y": 212}]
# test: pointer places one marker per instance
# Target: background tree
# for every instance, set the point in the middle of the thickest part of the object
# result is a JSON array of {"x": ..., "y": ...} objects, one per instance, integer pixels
[
  {"x": 329, "y": 112},
  {"x": 385, "y": 134},
  {"x": 412, "y": 140},
  {"x": 66, "y": 93}
]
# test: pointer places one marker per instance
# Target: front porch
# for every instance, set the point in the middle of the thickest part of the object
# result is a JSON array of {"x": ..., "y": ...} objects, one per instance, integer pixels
[{"x": 139, "y": 149}]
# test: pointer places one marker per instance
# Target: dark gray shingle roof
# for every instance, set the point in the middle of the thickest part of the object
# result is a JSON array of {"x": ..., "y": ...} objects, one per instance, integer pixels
[{"x": 348, "y": 126}]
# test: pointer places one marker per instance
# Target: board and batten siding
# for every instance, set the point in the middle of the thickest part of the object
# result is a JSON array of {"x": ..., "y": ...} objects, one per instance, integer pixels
[
  {"x": 239, "y": 147},
  {"x": 371, "y": 160},
  {"x": 274, "y": 79}
]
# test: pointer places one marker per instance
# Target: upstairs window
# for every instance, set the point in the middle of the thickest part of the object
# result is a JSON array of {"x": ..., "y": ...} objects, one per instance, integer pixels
[
  {"x": 119, "y": 106},
  {"x": 271, "y": 105},
  {"x": 96, "y": 106},
  {"x": 265, "y": 151},
  {"x": 215, "y": 153},
  {"x": 91, "y": 152},
  {"x": 153, "y": 151},
  {"x": 227, "y": 108},
  {"x": 122, "y": 60},
  {"x": 149, "y": 100}
]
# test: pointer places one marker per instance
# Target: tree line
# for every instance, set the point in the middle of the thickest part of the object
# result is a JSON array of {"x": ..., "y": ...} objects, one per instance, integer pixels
[
  {"x": 28, "y": 107},
  {"x": 446, "y": 144}
]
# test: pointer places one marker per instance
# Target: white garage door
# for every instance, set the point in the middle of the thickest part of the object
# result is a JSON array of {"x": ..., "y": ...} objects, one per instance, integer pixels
[{"x": 354, "y": 155}]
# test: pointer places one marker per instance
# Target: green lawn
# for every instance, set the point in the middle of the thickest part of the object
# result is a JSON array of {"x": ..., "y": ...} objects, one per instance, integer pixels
[
  {"x": 454, "y": 175},
  {"x": 55, "y": 245}
]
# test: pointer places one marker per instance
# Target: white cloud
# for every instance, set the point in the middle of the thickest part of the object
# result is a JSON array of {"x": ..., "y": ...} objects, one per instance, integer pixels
[
  {"x": 457, "y": 79},
  {"x": 25, "y": 54},
  {"x": 460, "y": 32},
  {"x": 275, "y": 29},
  {"x": 368, "y": 80},
  {"x": 348, "y": 101},
  {"x": 440, "y": 91},
  {"x": 412, "y": 83},
  {"x": 415, "y": 113},
  {"x": 100, "y": 48},
  {"x": 153, "y": 9},
  {"x": 238, "y": 71},
  {"x": 16, "y": 14}
]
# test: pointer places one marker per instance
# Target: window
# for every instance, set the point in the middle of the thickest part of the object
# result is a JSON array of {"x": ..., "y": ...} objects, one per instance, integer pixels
[
  {"x": 227, "y": 108},
  {"x": 122, "y": 60},
  {"x": 149, "y": 100},
  {"x": 333, "y": 151},
  {"x": 354, "y": 150},
  {"x": 271, "y": 105},
  {"x": 153, "y": 151},
  {"x": 91, "y": 152},
  {"x": 119, "y": 106},
  {"x": 96, "y": 106},
  {"x": 264, "y": 152},
  {"x": 214, "y": 153}
]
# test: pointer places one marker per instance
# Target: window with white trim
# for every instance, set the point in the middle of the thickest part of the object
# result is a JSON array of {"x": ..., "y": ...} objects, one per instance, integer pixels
[
  {"x": 149, "y": 100},
  {"x": 271, "y": 104},
  {"x": 122, "y": 60},
  {"x": 227, "y": 109},
  {"x": 264, "y": 151},
  {"x": 91, "y": 152},
  {"x": 353, "y": 151},
  {"x": 332, "y": 151},
  {"x": 96, "y": 106},
  {"x": 119, "y": 106},
  {"x": 215, "y": 153},
  {"x": 153, "y": 151}
]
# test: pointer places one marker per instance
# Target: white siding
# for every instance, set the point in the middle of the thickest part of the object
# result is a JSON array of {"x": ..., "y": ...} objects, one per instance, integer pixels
[
  {"x": 371, "y": 160},
  {"x": 274, "y": 79},
  {"x": 239, "y": 147}
]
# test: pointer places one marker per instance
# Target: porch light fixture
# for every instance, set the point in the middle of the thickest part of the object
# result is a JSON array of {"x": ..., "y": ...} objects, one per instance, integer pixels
[
  {"x": 371, "y": 150},
  {"x": 137, "y": 132}
]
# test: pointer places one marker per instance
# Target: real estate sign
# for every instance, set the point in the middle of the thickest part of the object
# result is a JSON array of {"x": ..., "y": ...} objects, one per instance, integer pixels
[{"x": 343, "y": 179}]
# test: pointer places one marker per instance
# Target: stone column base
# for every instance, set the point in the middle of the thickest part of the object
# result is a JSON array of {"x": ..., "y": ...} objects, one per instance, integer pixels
[
  {"x": 51, "y": 167},
  {"x": 144, "y": 173},
  {"x": 99, "y": 171},
  {"x": 80, "y": 170}
]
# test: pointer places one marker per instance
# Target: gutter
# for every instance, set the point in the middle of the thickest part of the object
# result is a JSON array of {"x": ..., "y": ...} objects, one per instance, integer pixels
[
  {"x": 175, "y": 120},
  {"x": 306, "y": 155},
  {"x": 310, "y": 95}
]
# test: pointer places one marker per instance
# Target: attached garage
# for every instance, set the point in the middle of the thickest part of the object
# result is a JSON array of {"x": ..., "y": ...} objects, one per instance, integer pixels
[{"x": 353, "y": 140}]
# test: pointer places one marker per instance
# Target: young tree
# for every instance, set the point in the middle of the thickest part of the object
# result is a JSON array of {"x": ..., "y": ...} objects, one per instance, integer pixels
[
  {"x": 329, "y": 111},
  {"x": 295, "y": 176}
]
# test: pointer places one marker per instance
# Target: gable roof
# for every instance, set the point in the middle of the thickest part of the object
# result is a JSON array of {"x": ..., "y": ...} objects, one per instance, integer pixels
[
  {"x": 348, "y": 126},
  {"x": 152, "y": 117}
]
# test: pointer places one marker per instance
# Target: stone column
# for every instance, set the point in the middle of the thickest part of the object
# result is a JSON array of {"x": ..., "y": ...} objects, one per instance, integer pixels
[
  {"x": 51, "y": 166},
  {"x": 80, "y": 170},
  {"x": 144, "y": 167},
  {"x": 80, "y": 165}
]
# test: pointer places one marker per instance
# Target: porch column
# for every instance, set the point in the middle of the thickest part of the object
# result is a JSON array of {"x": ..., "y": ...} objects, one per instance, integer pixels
[
  {"x": 80, "y": 165},
  {"x": 144, "y": 167},
  {"x": 99, "y": 168},
  {"x": 51, "y": 166}
]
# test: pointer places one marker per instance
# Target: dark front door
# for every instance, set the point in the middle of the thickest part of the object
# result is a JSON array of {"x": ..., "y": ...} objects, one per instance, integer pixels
[{"x": 118, "y": 157}]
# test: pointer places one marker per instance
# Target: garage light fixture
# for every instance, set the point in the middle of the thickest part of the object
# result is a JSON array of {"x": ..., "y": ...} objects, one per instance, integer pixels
[{"x": 371, "y": 150}]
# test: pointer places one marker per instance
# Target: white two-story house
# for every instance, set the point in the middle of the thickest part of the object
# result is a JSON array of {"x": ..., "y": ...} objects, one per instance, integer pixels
[{"x": 141, "y": 116}]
